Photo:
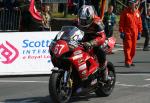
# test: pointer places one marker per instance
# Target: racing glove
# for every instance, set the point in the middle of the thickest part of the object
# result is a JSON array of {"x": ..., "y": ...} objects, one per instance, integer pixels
[
  {"x": 139, "y": 36},
  {"x": 87, "y": 45},
  {"x": 122, "y": 35}
]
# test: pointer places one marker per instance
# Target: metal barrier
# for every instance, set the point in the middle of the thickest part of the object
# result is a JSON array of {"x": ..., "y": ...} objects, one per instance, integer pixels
[{"x": 10, "y": 19}]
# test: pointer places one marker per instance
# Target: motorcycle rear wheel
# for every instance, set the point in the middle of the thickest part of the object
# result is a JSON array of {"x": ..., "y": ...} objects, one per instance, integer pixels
[
  {"x": 106, "y": 89},
  {"x": 59, "y": 93}
]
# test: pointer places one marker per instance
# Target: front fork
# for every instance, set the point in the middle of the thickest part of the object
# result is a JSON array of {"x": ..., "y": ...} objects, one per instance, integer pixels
[{"x": 67, "y": 78}]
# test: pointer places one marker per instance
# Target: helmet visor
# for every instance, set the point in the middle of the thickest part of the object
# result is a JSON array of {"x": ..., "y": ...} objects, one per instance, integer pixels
[{"x": 85, "y": 22}]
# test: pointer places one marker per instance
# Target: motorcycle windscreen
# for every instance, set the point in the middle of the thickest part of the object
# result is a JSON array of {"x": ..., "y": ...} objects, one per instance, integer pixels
[{"x": 70, "y": 33}]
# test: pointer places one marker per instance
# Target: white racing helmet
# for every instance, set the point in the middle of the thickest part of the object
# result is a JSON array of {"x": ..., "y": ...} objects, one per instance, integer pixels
[{"x": 85, "y": 15}]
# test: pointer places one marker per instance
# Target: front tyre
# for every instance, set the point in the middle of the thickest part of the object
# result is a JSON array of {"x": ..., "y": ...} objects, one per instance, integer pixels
[
  {"x": 60, "y": 92},
  {"x": 105, "y": 89}
]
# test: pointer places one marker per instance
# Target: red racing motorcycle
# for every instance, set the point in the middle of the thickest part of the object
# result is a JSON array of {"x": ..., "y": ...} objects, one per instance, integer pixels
[{"x": 71, "y": 75}]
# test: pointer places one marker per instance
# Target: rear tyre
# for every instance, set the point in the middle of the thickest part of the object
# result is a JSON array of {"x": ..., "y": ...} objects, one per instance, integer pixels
[
  {"x": 106, "y": 89},
  {"x": 60, "y": 92}
]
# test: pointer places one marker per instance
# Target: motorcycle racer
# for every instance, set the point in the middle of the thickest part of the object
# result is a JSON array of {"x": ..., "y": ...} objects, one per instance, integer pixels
[{"x": 94, "y": 37}]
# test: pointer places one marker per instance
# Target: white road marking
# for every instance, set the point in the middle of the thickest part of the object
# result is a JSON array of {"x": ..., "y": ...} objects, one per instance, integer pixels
[
  {"x": 146, "y": 85},
  {"x": 117, "y": 83},
  {"x": 148, "y": 79},
  {"x": 129, "y": 85},
  {"x": 125, "y": 85},
  {"x": 117, "y": 49},
  {"x": 120, "y": 45},
  {"x": 135, "y": 74},
  {"x": 17, "y": 81},
  {"x": 132, "y": 85}
]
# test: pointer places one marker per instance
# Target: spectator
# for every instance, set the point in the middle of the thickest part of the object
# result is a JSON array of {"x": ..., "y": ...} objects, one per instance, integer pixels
[
  {"x": 130, "y": 27},
  {"x": 109, "y": 21},
  {"x": 46, "y": 14},
  {"x": 145, "y": 14}
]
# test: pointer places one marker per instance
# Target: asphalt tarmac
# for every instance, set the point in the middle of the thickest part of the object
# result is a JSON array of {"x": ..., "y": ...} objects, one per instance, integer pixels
[{"x": 132, "y": 84}]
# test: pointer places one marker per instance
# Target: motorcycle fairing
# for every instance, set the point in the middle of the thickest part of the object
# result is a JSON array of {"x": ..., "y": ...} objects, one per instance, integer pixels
[
  {"x": 83, "y": 62},
  {"x": 111, "y": 42},
  {"x": 60, "y": 47}
]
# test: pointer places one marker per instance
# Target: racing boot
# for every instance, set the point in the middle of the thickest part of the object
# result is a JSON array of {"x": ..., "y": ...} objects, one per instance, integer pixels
[{"x": 105, "y": 72}]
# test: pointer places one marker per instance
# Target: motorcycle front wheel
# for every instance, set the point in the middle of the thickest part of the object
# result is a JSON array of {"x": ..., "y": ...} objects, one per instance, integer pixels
[
  {"x": 60, "y": 92},
  {"x": 106, "y": 89}
]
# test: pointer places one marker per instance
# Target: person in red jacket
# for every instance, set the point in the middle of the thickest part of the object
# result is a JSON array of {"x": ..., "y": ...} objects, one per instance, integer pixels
[
  {"x": 94, "y": 37},
  {"x": 130, "y": 27}
]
